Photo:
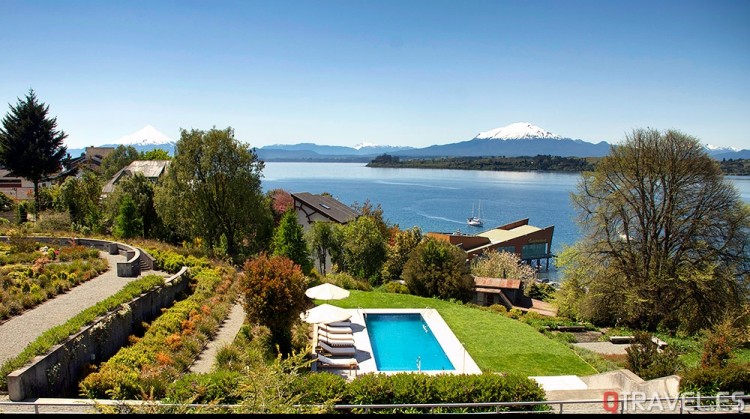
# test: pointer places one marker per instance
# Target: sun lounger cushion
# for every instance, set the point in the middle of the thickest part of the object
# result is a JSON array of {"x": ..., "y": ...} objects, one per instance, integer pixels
[
  {"x": 336, "y": 342},
  {"x": 333, "y": 350},
  {"x": 334, "y": 329},
  {"x": 337, "y": 362}
]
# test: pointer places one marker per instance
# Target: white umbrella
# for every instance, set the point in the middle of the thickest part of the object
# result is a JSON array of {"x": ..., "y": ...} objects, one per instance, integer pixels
[
  {"x": 326, "y": 291},
  {"x": 326, "y": 313}
]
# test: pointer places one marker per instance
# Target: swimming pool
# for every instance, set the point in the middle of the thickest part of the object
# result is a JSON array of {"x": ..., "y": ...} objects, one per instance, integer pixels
[{"x": 404, "y": 342}]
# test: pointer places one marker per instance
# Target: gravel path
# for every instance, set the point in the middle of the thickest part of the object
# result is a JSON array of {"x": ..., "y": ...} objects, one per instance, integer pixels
[
  {"x": 225, "y": 336},
  {"x": 605, "y": 348},
  {"x": 19, "y": 331}
]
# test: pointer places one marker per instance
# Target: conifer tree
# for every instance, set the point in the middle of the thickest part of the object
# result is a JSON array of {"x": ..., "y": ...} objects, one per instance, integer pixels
[
  {"x": 289, "y": 241},
  {"x": 30, "y": 145}
]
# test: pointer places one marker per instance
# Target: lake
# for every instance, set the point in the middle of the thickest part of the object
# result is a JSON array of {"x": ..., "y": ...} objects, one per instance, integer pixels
[{"x": 440, "y": 200}]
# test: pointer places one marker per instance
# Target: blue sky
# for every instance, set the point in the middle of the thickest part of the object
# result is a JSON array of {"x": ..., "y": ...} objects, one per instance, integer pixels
[{"x": 406, "y": 72}]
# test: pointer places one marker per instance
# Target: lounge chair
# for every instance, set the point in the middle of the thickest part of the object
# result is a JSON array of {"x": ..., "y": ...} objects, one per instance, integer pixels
[
  {"x": 325, "y": 361},
  {"x": 336, "y": 350},
  {"x": 335, "y": 329},
  {"x": 345, "y": 323},
  {"x": 336, "y": 340}
]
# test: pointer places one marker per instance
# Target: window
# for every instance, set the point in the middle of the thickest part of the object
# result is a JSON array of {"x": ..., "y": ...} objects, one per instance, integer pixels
[{"x": 536, "y": 250}]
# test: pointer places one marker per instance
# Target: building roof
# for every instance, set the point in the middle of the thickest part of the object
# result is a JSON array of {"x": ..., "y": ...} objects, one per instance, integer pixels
[
  {"x": 328, "y": 206},
  {"x": 486, "y": 282},
  {"x": 151, "y": 169},
  {"x": 498, "y": 235}
]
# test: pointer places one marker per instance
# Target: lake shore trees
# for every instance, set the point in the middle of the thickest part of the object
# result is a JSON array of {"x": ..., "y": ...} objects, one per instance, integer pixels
[{"x": 668, "y": 235}]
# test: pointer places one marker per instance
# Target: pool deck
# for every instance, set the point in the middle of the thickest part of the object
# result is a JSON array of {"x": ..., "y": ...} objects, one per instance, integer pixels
[{"x": 453, "y": 348}]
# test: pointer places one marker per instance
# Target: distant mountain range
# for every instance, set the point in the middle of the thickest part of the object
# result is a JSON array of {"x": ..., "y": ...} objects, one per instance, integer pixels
[{"x": 517, "y": 139}]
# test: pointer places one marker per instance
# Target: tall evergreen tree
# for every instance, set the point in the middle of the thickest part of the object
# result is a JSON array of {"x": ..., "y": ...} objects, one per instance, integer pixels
[
  {"x": 289, "y": 241},
  {"x": 30, "y": 145}
]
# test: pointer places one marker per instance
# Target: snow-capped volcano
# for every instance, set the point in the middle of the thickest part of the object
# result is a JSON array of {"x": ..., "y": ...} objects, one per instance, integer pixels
[
  {"x": 517, "y": 131},
  {"x": 719, "y": 148},
  {"x": 147, "y": 135},
  {"x": 365, "y": 144}
]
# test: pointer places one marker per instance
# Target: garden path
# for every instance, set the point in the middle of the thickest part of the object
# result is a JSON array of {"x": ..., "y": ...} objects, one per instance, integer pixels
[
  {"x": 19, "y": 331},
  {"x": 225, "y": 336}
]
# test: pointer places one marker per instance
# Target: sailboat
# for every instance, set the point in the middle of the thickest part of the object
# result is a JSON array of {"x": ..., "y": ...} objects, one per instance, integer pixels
[{"x": 475, "y": 220}]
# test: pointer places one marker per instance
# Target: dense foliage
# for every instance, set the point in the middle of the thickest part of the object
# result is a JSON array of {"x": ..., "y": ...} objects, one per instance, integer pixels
[
  {"x": 437, "y": 268},
  {"x": 289, "y": 241},
  {"x": 398, "y": 250},
  {"x": 33, "y": 275},
  {"x": 363, "y": 245},
  {"x": 30, "y": 144},
  {"x": 667, "y": 237},
  {"x": 413, "y": 388},
  {"x": 274, "y": 289},
  {"x": 171, "y": 344},
  {"x": 212, "y": 191},
  {"x": 537, "y": 163}
]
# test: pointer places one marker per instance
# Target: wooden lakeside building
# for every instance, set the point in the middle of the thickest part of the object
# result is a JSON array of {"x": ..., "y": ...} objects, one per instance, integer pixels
[{"x": 531, "y": 244}]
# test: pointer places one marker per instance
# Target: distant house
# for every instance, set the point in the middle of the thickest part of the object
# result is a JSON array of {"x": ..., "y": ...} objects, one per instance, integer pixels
[
  {"x": 16, "y": 187},
  {"x": 92, "y": 158},
  {"x": 151, "y": 169},
  {"x": 489, "y": 291},
  {"x": 531, "y": 244},
  {"x": 312, "y": 208}
]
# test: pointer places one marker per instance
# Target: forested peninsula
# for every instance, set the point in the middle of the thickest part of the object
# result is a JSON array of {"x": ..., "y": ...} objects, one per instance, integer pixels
[{"x": 542, "y": 163}]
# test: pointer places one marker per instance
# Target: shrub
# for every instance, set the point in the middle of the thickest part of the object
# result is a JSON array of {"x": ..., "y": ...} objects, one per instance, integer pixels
[
  {"x": 711, "y": 380},
  {"x": 499, "y": 308},
  {"x": 53, "y": 221},
  {"x": 647, "y": 362},
  {"x": 216, "y": 387},
  {"x": 320, "y": 388},
  {"x": 442, "y": 388},
  {"x": 515, "y": 313},
  {"x": 346, "y": 281},
  {"x": 396, "y": 287}
]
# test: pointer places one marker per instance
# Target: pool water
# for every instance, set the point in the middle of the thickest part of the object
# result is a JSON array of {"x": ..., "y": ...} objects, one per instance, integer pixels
[{"x": 404, "y": 342}]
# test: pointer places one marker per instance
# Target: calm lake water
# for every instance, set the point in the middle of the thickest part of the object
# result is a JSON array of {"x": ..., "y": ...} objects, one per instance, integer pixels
[{"x": 441, "y": 200}]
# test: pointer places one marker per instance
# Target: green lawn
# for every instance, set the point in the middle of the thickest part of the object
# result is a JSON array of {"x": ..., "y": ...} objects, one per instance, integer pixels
[{"x": 495, "y": 342}]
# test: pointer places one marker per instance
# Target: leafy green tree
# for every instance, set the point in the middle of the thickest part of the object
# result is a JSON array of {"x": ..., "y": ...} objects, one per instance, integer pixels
[
  {"x": 322, "y": 242},
  {"x": 155, "y": 154},
  {"x": 128, "y": 224},
  {"x": 376, "y": 213},
  {"x": 141, "y": 191},
  {"x": 120, "y": 157},
  {"x": 289, "y": 241},
  {"x": 363, "y": 248},
  {"x": 212, "y": 191},
  {"x": 80, "y": 197},
  {"x": 437, "y": 268},
  {"x": 671, "y": 234},
  {"x": 274, "y": 290},
  {"x": 402, "y": 243},
  {"x": 30, "y": 145}
]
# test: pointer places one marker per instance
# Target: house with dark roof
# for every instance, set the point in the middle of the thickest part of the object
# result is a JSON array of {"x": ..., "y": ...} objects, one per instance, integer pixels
[
  {"x": 151, "y": 169},
  {"x": 311, "y": 208}
]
